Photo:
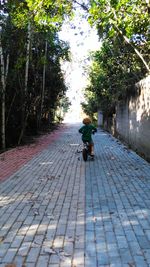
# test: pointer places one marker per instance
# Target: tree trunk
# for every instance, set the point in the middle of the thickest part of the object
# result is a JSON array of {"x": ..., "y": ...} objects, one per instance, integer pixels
[
  {"x": 10, "y": 107},
  {"x": 135, "y": 49},
  {"x": 4, "y": 73},
  {"x": 24, "y": 106},
  {"x": 43, "y": 83},
  {"x": 27, "y": 58}
]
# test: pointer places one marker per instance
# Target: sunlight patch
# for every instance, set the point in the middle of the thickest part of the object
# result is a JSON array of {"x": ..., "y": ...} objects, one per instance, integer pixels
[
  {"x": 74, "y": 144},
  {"x": 46, "y": 163}
]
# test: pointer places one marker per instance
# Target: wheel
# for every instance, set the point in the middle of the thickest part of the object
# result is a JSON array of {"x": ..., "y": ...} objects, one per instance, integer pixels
[
  {"x": 92, "y": 157},
  {"x": 89, "y": 149},
  {"x": 84, "y": 154}
]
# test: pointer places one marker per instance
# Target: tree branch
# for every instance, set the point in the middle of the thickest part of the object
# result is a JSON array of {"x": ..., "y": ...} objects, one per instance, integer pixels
[{"x": 128, "y": 42}]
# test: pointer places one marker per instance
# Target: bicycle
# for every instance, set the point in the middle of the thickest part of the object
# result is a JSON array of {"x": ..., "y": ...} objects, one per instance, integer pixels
[
  {"x": 86, "y": 151},
  {"x": 88, "y": 147}
]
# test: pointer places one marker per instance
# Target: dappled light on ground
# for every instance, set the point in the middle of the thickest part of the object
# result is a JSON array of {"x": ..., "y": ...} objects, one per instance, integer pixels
[{"x": 75, "y": 213}]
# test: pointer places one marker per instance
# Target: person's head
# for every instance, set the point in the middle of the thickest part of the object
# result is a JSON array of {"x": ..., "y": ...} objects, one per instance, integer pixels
[{"x": 86, "y": 120}]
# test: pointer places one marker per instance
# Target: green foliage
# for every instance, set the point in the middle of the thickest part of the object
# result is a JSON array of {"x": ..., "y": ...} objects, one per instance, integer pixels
[
  {"x": 114, "y": 72},
  {"x": 44, "y": 14},
  {"x": 123, "y": 26},
  {"x": 131, "y": 17},
  {"x": 65, "y": 104},
  {"x": 14, "y": 42}
]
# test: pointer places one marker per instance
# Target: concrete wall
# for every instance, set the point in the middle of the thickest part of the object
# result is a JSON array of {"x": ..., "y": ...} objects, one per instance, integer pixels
[
  {"x": 133, "y": 118},
  {"x": 100, "y": 118}
]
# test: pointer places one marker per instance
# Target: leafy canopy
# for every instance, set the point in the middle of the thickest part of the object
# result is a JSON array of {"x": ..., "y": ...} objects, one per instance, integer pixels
[
  {"x": 45, "y": 14},
  {"x": 131, "y": 16}
]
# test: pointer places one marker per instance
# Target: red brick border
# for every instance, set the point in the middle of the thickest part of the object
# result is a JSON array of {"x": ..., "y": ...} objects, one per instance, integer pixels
[{"x": 13, "y": 159}]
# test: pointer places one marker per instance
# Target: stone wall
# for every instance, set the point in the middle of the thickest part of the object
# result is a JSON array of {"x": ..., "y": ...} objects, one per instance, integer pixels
[{"x": 133, "y": 118}]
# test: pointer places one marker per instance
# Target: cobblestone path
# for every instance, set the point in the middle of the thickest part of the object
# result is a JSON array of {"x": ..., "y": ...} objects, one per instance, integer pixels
[
  {"x": 58, "y": 211},
  {"x": 13, "y": 159}
]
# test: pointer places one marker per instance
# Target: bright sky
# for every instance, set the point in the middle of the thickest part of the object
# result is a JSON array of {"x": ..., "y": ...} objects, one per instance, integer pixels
[{"x": 82, "y": 40}]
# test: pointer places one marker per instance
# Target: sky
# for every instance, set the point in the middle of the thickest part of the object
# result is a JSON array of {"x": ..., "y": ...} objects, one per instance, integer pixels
[{"x": 82, "y": 39}]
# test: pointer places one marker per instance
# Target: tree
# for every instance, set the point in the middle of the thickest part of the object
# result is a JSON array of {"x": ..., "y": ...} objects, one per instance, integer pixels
[
  {"x": 34, "y": 78},
  {"x": 4, "y": 62},
  {"x": 127, "y": 19},
  {"x": 123, "y": 27},
  {"x": 114, "y": 72}
]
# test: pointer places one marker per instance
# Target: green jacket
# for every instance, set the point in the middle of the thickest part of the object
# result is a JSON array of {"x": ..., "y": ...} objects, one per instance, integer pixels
[{"x": 86, "y": 132}]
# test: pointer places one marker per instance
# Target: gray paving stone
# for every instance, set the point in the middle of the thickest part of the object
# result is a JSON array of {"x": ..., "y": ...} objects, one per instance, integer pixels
[
  {"x": 59, "y": 211},
  {"x": 90, "y": 261},
  {"x": 53, "y": 265},
  {"x": 33, "y": 255},
  {"x": 19, "y": 261},
  {"x": 143, "y": 242},
  {"x": 9, "y": 256},
  {"x": 110, "y": 237},
  {"x": 3, "y": 249},
  {"x": 130, "y": 235},
  {"x": 140, "y": 261},
  {"x": 54, "y": 259},
  {"x": 24, "y": 249},
  {"x": 126, "y": 256},
  {"x": 17, "y": 241},
  {"x": 103, "y": 258},
  {"x": 118, "y": 265}
]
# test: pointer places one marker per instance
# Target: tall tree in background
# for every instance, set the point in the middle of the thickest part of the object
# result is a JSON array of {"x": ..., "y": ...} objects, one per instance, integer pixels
[
  {"x": 43, "y": 80},
  {"x": 37, "y": 14},
  {"x": 126, "y": 18},
  {"x": 123, "y": 59},
  {"x": 4, "y": 62},
  {"x": 35, "y": 53},
  {"x": 25, "y": 93}
]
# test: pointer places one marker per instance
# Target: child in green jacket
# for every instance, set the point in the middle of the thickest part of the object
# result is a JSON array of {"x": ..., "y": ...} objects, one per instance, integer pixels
[{"x": 87, "y": 130}]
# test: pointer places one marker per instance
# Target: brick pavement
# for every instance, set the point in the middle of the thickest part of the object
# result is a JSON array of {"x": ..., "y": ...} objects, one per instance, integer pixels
[
  {"x": 58, "y": 211},
  {"x": 13, "y": 159}
]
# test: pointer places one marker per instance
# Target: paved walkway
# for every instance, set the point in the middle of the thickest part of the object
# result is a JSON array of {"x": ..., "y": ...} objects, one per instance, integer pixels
[
  {"x": 13, "y": 159},
  {"x": 58, "y": 211}
]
